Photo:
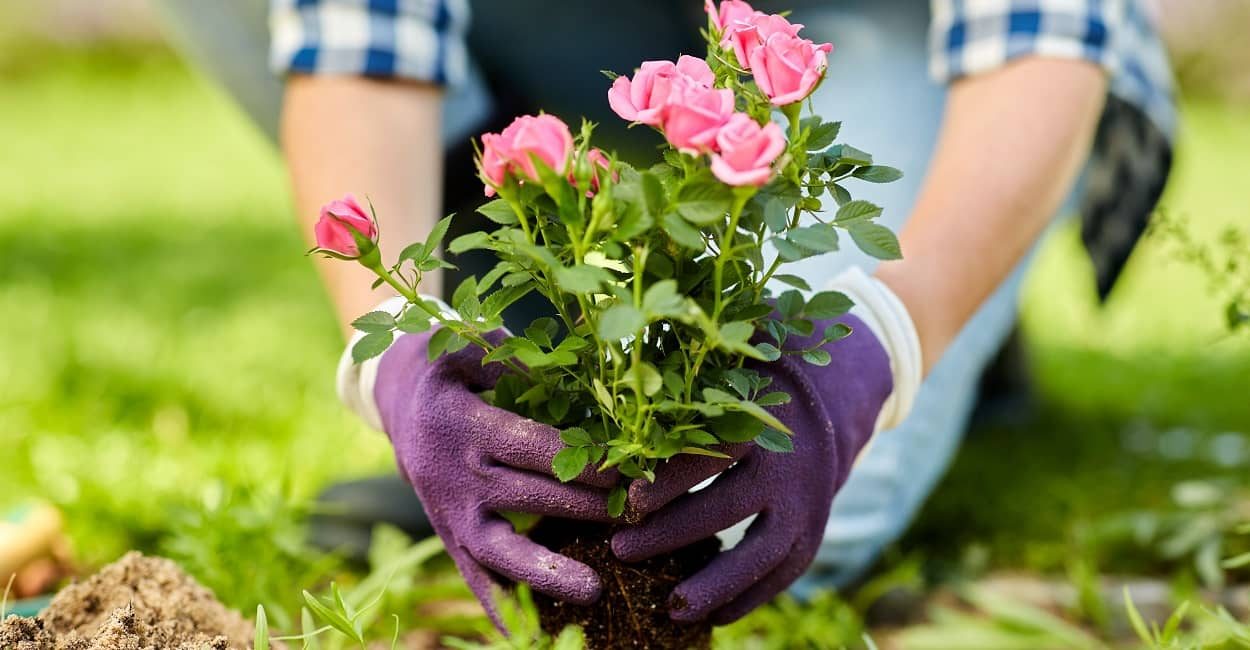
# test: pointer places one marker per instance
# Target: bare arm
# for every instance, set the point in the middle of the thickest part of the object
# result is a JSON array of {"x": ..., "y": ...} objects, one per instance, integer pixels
[
  {"x": 380, "y": 139},
  {"x": 1011, "y": 145}
]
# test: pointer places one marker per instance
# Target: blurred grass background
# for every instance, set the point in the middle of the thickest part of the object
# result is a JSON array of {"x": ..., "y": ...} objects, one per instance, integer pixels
[{"x": 164, "y": 342}]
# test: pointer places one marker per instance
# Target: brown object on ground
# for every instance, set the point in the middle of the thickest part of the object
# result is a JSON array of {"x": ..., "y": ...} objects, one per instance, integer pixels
[
  {"x": 136, "y": 603},
  {"x": 633, "y": 610}
]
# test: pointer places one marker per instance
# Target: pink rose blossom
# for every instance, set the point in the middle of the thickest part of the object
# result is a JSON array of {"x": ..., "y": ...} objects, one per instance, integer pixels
[
  {"x": 544, "y": 137},
  {"x": 730, "y": 11},
  {"x": 333, "y": 230},
  {"x": 644, "y": 97},
  {"x": 746, "y": 34},
  {"x": 787, "y": 68},
  {"x": 747, "y": 151},
  {"x": 695, "y": 116}
]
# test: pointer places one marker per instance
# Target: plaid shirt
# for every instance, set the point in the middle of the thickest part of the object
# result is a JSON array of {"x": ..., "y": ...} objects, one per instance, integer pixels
[{"x": 425, "y": 40}]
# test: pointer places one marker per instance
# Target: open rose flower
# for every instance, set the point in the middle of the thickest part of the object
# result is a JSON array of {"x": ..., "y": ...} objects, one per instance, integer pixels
[
  {"x": 644, "y": 97},
  {"x": 695, "y": 116},
  {"x": 787, "y": 68},
  {"x": 747, "y": 151},
  {"x": 339, "y": 218},
  {"x": 746, "y": 34},
  {"x": 544, "y": 137},
  {"x": 730, "y": 11}
]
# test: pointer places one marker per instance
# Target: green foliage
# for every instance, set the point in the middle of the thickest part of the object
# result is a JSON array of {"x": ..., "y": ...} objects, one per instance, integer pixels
[{"x": 659, "y": 281}]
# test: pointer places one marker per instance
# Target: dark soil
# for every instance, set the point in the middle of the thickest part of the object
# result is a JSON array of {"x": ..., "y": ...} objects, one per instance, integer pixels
[
  {"x": 633, "y": 611},
  {"x": 136, "y": 603}
]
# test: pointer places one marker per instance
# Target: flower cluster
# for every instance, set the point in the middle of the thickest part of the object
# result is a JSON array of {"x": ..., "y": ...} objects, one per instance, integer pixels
[{"x": 683, "y": 101}]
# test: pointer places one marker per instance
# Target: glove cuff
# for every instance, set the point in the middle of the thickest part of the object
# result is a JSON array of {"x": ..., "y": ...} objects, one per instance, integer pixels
[
  {"x": 885, "y": 315},
  {"x": 354, "y": 382}
]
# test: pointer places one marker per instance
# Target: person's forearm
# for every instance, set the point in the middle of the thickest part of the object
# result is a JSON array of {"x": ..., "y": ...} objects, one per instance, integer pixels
[
  {"x": 376, "y": 139},
  {"x": 1011, "y": 145}
]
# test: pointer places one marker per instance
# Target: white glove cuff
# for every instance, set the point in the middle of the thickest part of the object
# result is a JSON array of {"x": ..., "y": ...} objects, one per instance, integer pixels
[
  {"x": 885, "y": 315},
  {"x": 354, "y": 382}
]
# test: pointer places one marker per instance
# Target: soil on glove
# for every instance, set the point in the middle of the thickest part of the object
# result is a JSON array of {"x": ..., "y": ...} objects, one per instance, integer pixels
[
  {"x": 634, "y": 609},
  {"x": 136, "y": 603}
]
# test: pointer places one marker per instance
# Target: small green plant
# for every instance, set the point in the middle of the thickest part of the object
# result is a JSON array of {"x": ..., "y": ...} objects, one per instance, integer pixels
[
  {"x": 519, "y": 617},
  {"x": 1226, "y": 264},
  {"x": 659, "y": 277}
]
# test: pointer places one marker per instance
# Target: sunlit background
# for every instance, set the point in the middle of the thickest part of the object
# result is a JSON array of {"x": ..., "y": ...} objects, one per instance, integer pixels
[{"x": 167, "y": 354}]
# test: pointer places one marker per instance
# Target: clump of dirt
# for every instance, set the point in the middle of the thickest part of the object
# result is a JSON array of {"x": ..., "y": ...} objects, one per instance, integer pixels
[
  {"x": 633, "y": 610},
  {"x": 136, "y": 603}
]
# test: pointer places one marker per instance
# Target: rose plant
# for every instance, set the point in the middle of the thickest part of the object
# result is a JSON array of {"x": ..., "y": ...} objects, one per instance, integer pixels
[{"x": 659, "y": 277}]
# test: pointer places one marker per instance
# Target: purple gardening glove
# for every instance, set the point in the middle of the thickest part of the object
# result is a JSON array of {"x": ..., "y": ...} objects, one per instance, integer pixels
[
  {"x": 832, "y": 412},
  {"x": 468, "y": 460}
]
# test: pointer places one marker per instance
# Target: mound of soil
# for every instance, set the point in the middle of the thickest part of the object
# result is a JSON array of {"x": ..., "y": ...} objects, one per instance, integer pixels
[
  {"x": 136, "y": 603},
  {"x": 633, "y": 610}
]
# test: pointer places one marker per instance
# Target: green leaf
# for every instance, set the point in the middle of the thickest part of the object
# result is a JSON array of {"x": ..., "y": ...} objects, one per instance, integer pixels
[
  {"x": 413, "y": 321},
  {"x": 774, "y": 440},
  {"x": 837, "y": 331},
  {"x": 558, "y": 405},
  {"x": 821, "y": 238},
  {"x": 569, "y": 462},
  {"x": 437, "y": 234},
  {"x": 775, "y": 398},
  {"x": 541, "y": 330},
  {"x": 839, "y": 193},
  {"x": 620, "y": 321},
  {"x": 770, "y": 351},
  {"x": 469, "y": 241},
  {"x": 788, "y": 251},
  {"x": 576, "y": 437},
  {"x": 371, "y": 345},
  {"x": 699, "y": 451},
  {"x": 876, "y": 240},
  {"x": 855, "y": 211},
  {"x": 704, "y": 203},
  {"x": 877, "y": 174},
  {"x": 332, "y": 618},
  {"x": 662, "y": 300},
  {"x": 653, "y": 193},
  {"x": 604, "y": 397},
  {"x": 735, "y": 427},
  {"x": 650, "y": 378},
  {"x": 701, "y": 437},
  {"x": 683, "y": 233},
  {"x": 823, "y": 135},
  {"x": 1135, "y": 619},
  {"x": 260, "y": 640},
  {"x": 499, "y": 211},
  {"x": 848, "y": 154},
  {"x": 827, "y": 304},
  {"x": 717, "y": 396},
  {"x": 793, "y": 280},
  {"x": 817, "y": 356},
  {"x": 497, "y": 301},
  {"x": 776, "y": 215},
  {"x": 582, "y": 278},
  {"x": 616, "y": 501},
  {"x": 439, "y": 342},
  {"x": 375, "y": 322},
  {"x": 466, "y": 296},
  {"x": 790, "y": 303},
  {"x": 736, "y": 332},
  {"x": 758, "y": 412}
]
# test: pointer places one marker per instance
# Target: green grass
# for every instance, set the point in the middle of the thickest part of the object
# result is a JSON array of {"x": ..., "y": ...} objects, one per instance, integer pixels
[{"x": 166, "y": 353}]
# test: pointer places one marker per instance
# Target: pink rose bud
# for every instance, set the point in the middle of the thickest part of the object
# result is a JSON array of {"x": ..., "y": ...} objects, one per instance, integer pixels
[
  {"x": 730, "y": 11},
  {"x": 744, "y": 35},
  {"x": 544, "y": 137},
  {"x": 747, "y": 151},
  {"x": 695, "y": 116},
  {"x": 643, "y": 98},
  {"x": 334, "y": 229},
  {"x": 787, "y": 68},
  {"x": 600, "y": 164}
]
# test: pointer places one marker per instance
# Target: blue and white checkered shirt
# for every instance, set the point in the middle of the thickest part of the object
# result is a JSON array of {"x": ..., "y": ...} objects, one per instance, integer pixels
[
  {"x": 425, "y": 40},
  {"x": 968, "y": 37}
]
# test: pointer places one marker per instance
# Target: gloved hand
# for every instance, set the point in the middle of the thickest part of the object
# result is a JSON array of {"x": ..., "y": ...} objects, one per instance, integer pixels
[
  {"x": 833, "y": 412},
  {"x": 469, "y": 460}
]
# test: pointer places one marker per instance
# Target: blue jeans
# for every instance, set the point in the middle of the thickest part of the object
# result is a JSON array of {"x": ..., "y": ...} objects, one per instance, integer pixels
[{"x": 877, "y": 84}]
